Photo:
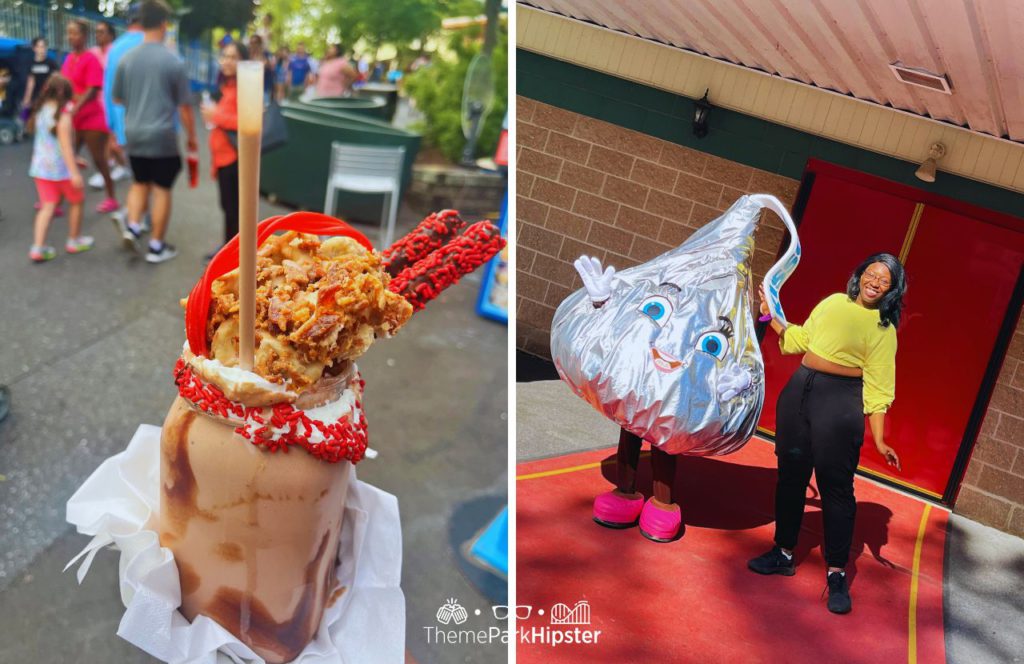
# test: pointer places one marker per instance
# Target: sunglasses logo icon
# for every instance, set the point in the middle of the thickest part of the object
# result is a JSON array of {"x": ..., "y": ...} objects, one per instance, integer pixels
[{"x": 501, "y": 611}]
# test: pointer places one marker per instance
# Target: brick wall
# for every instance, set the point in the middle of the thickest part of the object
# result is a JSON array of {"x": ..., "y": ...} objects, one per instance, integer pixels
[
  {"x": 591, "y": 187},
  {"x": 993, "y": 488},
  {"x": 587, "y": 186}
]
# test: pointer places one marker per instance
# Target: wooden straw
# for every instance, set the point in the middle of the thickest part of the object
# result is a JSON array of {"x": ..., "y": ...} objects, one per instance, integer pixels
[{"x": 250, "y": 132}]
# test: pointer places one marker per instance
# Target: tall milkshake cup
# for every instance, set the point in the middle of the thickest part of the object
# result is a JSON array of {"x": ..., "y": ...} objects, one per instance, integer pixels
[{"x": 254, "y": 533}]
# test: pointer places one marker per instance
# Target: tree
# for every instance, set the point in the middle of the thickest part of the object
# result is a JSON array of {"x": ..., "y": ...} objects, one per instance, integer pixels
[
  {"x": 395, "y": 22},
  {"x": 437, "y": 91},
  {"x": 204, "y": 15}
]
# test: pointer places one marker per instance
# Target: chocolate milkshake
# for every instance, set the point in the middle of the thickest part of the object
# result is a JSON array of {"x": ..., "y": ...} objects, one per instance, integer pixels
[
  {"x": 254, "y": 534},
  {"x": 253, "y": 522},
  {"x": 256, "y": 463}
]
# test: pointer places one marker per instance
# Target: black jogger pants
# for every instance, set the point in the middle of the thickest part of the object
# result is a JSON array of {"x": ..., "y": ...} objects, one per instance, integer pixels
[
  {"x": 819, "y": 427},
  {"x": 227, "y": 182}
]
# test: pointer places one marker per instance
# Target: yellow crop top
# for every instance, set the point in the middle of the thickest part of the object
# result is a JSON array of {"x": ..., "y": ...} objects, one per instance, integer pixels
[{"x": 842, "y": 331}]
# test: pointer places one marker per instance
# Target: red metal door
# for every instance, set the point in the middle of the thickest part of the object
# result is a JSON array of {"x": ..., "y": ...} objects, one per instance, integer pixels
[
  {"x": 961, "y": 272},
  {"x": 842, "y": 224}
]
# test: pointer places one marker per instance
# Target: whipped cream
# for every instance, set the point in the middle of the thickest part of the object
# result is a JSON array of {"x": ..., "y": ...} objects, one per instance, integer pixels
[{"x": 233, "y": 378}]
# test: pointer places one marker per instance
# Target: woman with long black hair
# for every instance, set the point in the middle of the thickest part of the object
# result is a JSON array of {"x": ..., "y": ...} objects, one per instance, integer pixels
[
  {"x": 848, "y": 371},
  {"x": 222, "y": 118}
]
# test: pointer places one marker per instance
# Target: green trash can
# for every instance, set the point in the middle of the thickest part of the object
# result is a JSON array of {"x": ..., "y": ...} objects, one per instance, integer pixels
[
  {"x": 296, "y": 173},
  {"x": 386, "y": 90},
  {"x": 373, "y": 107}
]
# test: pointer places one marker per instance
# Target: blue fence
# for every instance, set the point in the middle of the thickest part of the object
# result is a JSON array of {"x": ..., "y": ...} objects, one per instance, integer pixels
[{"x": 23, "y": 22}]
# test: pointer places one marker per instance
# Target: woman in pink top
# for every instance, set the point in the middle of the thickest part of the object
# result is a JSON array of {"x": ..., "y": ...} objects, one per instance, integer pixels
[
  {"x": 104, "y": 33},
  {"x": 335, "y": 75},
  {"x": 86, "y": 75}
]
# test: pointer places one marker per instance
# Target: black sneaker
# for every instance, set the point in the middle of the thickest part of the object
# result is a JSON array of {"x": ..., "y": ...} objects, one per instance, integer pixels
[
  {"x": 838, "y": 593},
  {"x": 773, "y": 562},
  {"x": 129, "y": 238},
  {"x": 166, "y": 253}
]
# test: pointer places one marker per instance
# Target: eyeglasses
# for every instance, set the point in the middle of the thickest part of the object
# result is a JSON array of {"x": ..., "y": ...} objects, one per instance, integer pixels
[
  {"x": 877, "y": 279},
  {"x": 500, "y": 611}
]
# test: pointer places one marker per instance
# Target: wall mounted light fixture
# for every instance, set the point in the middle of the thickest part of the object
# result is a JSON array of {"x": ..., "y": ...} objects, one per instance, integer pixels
[
  {"x": 926, "y": 171},
  {"x": 701, "y": 109}
]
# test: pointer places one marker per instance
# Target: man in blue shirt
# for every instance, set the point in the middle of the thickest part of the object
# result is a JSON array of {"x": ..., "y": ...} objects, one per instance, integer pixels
[
  {"x": 128, "y": 40},
  {"x": 301, "y": 68}
]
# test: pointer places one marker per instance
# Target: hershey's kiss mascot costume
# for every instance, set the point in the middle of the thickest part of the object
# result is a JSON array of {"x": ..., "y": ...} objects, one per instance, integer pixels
[{"x": 667, "y": 351}]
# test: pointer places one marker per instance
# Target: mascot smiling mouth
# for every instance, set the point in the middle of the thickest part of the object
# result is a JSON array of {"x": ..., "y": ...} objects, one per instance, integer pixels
[{"x": 665, "y": 362}]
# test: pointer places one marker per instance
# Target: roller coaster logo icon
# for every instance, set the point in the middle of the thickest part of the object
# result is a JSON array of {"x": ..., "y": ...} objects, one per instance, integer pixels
[{"x": 561, "y": 614}]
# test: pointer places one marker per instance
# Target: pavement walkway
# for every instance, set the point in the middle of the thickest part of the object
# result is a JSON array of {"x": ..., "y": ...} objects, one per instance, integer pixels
[
  {"x": 89, "y": 343},
  {"x": 966, "y": 601}
]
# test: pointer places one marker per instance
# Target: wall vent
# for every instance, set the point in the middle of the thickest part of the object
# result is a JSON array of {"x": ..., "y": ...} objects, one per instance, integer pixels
[{"x": 922, "y": 78}]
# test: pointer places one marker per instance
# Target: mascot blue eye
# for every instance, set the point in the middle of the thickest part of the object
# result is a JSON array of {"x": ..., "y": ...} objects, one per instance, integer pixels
[
  {"x": 714, "y": 344},
  {"x": 657, "y": 308}
]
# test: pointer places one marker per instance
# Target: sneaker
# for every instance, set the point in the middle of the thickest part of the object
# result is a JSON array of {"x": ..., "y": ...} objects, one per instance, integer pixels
[
  {"x": 118, "y": 173},
  {"x": 79, "y": 244},
  {"x": 166, "y": 253},
  {"x": 130, "y": 239},
  {"x": 838, "y": 593},
  {"x": 42, "y": 254},
  {"x": 773, "y": 562},
  {"x": 96, "y": 181},
  {"x": 109, "y": 205}
]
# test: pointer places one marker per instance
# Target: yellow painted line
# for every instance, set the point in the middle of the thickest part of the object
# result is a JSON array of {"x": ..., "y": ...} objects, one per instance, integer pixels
[
  {"x": 915, "y": 219},
  {"x": 912, "y": 627},
  {"x": 896, "y": 480},
  {"x": 570, "y": 469},
  {"x": 560, "y": 471}
]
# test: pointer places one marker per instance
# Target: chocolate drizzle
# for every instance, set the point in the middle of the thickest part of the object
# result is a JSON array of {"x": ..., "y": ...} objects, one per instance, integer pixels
[
  {"x": 187, "y": 576},
  {"x": 231, "y": 551},
  {"x": 248, "y": 618},
  {"x": 180, "y": 487},
  {"x": 180, "y": 490}
]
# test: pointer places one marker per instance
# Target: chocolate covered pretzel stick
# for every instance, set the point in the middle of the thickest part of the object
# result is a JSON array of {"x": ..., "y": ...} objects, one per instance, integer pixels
[
  {"x": 443, "y": 267},
  {"x": 431, "y": 234}
]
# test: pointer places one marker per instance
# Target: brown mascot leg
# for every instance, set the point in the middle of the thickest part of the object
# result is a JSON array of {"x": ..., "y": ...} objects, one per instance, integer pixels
[
  {"x": 663, "y": 468},
  {"x": 627, "y": 459}
]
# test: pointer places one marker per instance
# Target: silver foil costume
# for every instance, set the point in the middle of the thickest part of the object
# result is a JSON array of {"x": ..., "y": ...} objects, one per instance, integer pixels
[{"x": 671, "y": 355}]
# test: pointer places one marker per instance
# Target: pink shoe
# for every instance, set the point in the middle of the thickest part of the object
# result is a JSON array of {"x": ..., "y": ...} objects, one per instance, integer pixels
[
  {"x": 613, "y": 510},
  {"x": 57, "y": 211},
  {"x": 109, "y": 205},
  {"x": 658, "y": 524}
]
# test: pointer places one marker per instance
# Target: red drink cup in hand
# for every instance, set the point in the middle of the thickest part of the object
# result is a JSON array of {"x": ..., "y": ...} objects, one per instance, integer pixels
[{"x": 193, "y": 170}]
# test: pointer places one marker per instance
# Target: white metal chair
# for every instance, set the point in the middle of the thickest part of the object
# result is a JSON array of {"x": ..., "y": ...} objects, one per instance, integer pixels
[{"x": 367, "y": 170}]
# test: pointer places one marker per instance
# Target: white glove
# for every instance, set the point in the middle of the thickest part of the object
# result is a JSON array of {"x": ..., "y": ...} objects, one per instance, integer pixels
[
  {"x": 597, "y": 283},
  {"x": 733, "y": 381}
]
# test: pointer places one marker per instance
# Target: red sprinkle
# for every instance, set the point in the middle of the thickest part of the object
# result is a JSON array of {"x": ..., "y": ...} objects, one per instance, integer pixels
[
  {"x": 443, "y": 267},
  {"x": 343, "y": 440},
  {"x": 431, "y": 234}
]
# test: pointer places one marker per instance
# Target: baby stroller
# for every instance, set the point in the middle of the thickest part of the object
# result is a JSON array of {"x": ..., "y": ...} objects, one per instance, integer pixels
[{"x": 13, "y": 71}]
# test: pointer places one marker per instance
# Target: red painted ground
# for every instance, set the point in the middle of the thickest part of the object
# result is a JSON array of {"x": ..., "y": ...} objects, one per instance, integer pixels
[{"x": 694, "y": 600}]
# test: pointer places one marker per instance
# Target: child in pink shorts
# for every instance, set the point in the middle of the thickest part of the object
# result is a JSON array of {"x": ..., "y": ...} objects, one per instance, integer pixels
[{"x": 55, "y": 170}]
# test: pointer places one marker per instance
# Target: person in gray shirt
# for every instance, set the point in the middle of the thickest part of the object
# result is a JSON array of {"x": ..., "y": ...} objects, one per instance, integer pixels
[{"x": 152, "y": 84}]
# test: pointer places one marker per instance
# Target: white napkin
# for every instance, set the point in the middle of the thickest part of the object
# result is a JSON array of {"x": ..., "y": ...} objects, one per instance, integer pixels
[{"x": 119, "y": 505}]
